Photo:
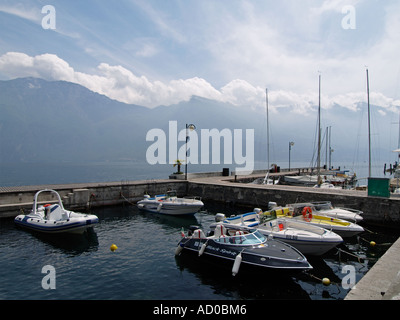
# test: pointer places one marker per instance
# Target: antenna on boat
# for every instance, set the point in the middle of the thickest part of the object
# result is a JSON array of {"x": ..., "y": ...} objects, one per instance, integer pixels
[
  {"x": 319, "y": 127},
  {"x": 369, "y": 128},
  {"x": 266, "y": 102}
]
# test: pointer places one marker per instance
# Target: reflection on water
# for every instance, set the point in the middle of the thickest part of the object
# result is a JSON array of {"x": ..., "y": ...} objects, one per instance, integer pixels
[
  {"x": 145, "y": 267},
  {"x": 70, "y": 244}
]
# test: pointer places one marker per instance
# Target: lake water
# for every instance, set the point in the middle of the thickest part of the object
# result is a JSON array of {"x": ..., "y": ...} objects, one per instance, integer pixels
[
  {"x": 144, "y": 266},
  {"x": 19, "y": 174}
]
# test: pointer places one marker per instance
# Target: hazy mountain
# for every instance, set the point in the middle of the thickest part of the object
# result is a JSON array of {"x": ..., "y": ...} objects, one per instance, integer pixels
[{"x": 60, "y": 121}]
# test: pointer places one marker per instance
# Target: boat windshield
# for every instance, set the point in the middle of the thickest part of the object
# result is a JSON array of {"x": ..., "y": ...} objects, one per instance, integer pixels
[
  {"x": 323, "y": 206},
  {"x": 255, "y": 237},
  {"x": 171, "y": 194}
]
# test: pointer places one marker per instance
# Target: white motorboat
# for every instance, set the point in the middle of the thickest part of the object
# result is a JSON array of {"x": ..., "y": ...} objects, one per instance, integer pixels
[
  {"x": 53, "y": 218},
  {"x": 326, "y": 185},
  {"x": 304, "y": 180},
  {"x": 305, "y": 214},
  {"x": 308, "y": 239},
  {"x": 327, "y": 209},
  {"x": 170, "y": 204}
]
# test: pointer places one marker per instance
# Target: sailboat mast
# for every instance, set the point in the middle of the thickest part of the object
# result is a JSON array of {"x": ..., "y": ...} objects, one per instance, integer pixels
[
  {"x": 319, "y": 129},
  {"x": 266, "y": 102},
  {"x": 330, "y": 149},
  {"x": 369, "y": 130}
]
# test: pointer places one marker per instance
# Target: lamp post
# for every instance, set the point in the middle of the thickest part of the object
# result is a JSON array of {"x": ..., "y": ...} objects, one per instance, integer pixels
[
  {"x": 291, "y": 144},
  {"x": 190, "y": 127}
]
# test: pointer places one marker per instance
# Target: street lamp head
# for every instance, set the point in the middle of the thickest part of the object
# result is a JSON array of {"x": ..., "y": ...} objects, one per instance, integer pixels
[{"x": 191, "y": 127}]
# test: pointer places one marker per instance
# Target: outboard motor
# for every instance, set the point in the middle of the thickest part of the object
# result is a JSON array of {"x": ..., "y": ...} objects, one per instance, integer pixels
[
  {"x": 219, "y": 217},
  {"x": 272, "y": 205}
]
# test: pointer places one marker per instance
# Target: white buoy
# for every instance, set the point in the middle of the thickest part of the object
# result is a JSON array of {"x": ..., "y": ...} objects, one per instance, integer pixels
[
  {"x": 236, "y": 265},
  {"x": 178, "y": 250},
  {"x": 203, "y": 247},
  {"x": 159, "y": 207}
]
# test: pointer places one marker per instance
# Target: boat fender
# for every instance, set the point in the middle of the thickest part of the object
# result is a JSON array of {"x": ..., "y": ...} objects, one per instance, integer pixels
[
  {"x": 179, "y": 249},
  {"x": 236, "y": 265},
  {"x": 307, "y": 214},
  {"x": 203, "y": 248},
  {"x": 159, "y": 207}
]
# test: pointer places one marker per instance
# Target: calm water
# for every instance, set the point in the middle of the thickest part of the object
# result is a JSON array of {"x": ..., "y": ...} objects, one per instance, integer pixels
[
  {"x": 144, "y": 266},
  {"x": 21, "y": 174}
]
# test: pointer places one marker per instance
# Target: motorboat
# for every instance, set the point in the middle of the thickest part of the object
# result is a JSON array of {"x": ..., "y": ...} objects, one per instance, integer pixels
[
  {"x": 170, "y": 204},
  {"x": 327, "y": 209},
  {"x": 326, "y": 185},
  {"x": 328, "y": 180},
  {"x": 246, "y": 248},
  {"x": 307, "y": 238},
  {"x": 53, "y": 218},
  {"x": 303, "y": 180},
  {"x": 302, "y": 213}
]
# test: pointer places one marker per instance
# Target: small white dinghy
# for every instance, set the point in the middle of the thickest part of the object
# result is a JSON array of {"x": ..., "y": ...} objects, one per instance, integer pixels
[
  {"x": 53, "y": 218},
  {"x": 170, "y": 204}
]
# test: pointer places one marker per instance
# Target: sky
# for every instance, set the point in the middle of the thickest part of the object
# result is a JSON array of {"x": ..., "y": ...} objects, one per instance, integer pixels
[{"x": 161, "y": 52}]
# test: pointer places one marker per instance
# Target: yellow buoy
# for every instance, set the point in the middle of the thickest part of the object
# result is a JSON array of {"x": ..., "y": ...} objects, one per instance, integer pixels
[
  {"x": 372, "y": 243},
  {"x": 113, "y": 247},
  {"x": 326, "y": 281}
]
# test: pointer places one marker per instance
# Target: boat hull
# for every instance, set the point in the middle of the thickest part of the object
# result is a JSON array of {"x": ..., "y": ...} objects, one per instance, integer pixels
[
  {"x": 170, "y": 208},
  {"x": 342, "y": 214},
  {"x": 74, "y": 225},
  {"x": 265, "y": 256},
  {"x": 308, "y": 247},
  {"x": 343, "y": 229}
]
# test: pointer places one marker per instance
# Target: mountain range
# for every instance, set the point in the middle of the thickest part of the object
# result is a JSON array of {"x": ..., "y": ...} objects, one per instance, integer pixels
[{"x": 58, "y": 121}]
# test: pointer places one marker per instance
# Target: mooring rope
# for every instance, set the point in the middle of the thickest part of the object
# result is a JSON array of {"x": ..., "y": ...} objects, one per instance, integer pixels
[
  {"x": 351, "y": 254},
  {"x": 134, "y": 204}
]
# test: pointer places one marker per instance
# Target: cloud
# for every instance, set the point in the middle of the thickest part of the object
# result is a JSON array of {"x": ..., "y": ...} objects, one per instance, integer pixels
[
  {"x": 123, "y": 85},
  {"x": 334, "y": 5},
  {"x": 22, "y": 11}
]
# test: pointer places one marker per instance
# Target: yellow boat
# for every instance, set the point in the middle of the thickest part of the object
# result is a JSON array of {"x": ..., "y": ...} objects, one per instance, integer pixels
[{"x": 305, "y": 215}]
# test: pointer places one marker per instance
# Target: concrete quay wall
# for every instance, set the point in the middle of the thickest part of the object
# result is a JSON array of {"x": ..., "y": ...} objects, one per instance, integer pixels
[
  {"x": 377, "y": 210},
  {"x": 82, "y": 196}
]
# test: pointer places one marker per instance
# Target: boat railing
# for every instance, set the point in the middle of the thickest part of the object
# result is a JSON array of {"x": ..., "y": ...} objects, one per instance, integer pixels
[
  {"x": 193, "y": 198},
  {"x": 35, "y": 199},
  {"x": 352, "y": 210}
]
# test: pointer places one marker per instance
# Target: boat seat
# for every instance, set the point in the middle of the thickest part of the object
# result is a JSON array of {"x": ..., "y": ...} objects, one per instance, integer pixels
[
  {"x": 198, "y": 234},
  {"x": 56, "y": 213},
  {"x": 238, "y": 239},
  {"x": 220, "y": 230}
]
